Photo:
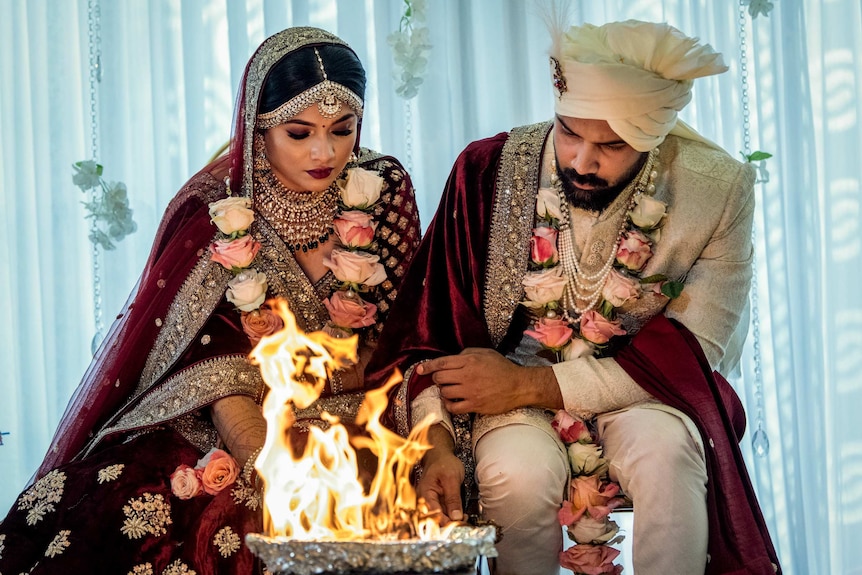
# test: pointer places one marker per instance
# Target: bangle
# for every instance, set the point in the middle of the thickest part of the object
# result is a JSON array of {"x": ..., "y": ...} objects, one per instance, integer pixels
[{"x": 248, "y": 469}]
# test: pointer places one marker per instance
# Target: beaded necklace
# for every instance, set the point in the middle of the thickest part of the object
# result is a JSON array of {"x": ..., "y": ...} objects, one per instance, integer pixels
[{"x": 583, "y": 286}]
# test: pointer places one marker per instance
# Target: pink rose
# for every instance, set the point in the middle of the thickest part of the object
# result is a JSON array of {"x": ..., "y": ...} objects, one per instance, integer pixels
[
  {"x": 551, "y": 333},
  {"x": 591, "y": 559},
  {"x": 619, "y": 289},
  {"x": 570, "y": 428},
  {"x": 220, "y": 470},
  {"x": 185, "y": 483},
  {"x": 543, "y": 246},
  {"x": 350, "y": 311},
  {"x": 259, "y": 323},
  {"x": 598, "y": 329},
  {"x": 238, "y": 253},
  {"x": 355, "y": 229},
  {"x": 634, "y": 250},
  {"x": 356, "y": 267}
]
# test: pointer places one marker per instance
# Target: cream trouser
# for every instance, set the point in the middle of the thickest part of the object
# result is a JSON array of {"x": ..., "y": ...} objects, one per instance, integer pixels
[{"x": 522, "y": 475}]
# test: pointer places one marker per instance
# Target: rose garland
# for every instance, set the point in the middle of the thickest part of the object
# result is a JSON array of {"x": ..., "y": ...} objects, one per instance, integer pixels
[
  {"x": 592, "y": 497},
  {"x": 212, "y": 474},
  {"x": 545, "y": 283},
  {"x": 353, "y": 266}
]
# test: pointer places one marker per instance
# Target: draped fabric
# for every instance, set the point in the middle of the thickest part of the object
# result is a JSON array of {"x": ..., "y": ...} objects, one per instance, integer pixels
[{"x": 169, "y": 71}]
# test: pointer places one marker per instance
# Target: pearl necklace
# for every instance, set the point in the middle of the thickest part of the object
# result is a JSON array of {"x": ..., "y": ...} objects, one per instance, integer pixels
[
  {"x": 583, "y": 286},
  {"x": 302, "y": 219}
]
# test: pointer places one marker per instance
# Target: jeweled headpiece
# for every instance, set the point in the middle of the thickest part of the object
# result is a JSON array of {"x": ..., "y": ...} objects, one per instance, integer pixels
[
  {"x": 328, "y": 96},
  {"x": 635, "y": 75}
]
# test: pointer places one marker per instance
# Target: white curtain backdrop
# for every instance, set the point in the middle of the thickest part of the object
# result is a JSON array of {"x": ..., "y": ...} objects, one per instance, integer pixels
[{"x": 168, "y": 76}]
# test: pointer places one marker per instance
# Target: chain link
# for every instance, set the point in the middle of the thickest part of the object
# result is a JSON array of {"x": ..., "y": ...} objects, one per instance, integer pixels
[
  {"x": 95, "y": 46},
  {"x": 760, "y": 440},
  {"x": 408, "y": 135}
]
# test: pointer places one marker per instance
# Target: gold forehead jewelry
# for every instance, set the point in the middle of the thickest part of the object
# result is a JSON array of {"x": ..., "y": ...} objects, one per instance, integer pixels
[{"x": 328, "y": 96}]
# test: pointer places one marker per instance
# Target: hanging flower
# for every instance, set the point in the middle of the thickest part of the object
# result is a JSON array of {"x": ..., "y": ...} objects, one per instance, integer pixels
[{"x": 108, "y": 208}]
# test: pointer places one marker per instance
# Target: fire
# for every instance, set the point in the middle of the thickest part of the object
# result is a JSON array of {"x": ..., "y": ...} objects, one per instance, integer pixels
[{"x": 317, "y": 495}]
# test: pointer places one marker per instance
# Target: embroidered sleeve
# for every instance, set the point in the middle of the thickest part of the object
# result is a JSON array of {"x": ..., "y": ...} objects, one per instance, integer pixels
[{"x": 398, "y": 231}]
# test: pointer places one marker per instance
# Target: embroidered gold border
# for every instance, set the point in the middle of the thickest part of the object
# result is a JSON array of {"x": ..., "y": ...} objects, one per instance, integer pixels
[
  {"x": 188, "y": 390},
  {"x": 511, "y": 225}
]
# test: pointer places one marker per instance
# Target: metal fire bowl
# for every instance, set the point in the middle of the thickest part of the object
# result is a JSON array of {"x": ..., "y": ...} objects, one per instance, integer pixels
[{"x": 456, "y": 554}]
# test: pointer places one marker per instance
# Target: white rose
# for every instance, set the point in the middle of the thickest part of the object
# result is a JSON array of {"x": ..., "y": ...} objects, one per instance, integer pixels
[
  {"x": 544, "y": 286},
  {"x": 586, "y": 459},
  {"x": 648, "y": 212},
  {"x": 548, "y": 204},
  {"x": 362, "y": 188},
  {"x": 578, "y": 347},
  {"x": 356, "y": 267},
  {"x": 619, "y": 289},
  {"x": 247, "y": 290},
  {"x": 589, "y": 530},
  {"x": 232, "y": 215}
]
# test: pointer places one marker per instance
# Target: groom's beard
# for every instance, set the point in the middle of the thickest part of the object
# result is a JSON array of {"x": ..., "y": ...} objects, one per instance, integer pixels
[{"x": 600, "y": 195}]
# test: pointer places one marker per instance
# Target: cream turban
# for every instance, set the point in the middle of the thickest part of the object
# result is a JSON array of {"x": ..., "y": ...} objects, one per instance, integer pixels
[{"x": 635, "y": 75}]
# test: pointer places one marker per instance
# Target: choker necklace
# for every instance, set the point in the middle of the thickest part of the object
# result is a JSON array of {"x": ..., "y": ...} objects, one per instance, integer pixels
[
  {"x": 584, "y": 286},
  {"x": 302, "y": 219}
]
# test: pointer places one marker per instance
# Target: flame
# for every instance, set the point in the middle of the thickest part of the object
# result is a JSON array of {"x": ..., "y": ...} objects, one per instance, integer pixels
[{"x": 318, "y": 494}]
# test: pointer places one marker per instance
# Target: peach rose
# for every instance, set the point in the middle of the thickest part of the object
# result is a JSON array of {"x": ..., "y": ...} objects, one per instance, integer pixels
[
  {"x": 356, "y": 267},
  {"x": 586, "y": 492},
  {"x": 355, "y": 229},
  {"x": 238, "y": 253},
  {"x": 634, "y": 250},
  {"x": 551, "y": 333},
  {"x": 648, "y": 212},
  {"x": 219, "y": 470},
  {"x": 544, "y": 287},
  {"x": 232, "y": 215},
  {"x": 548, "y": 204},
  {"x": 591, "y": 559},
  {"x": 570, "y": 428},
  {"x": 543, "y": 246},
  {"x": 348, "y": 310},
  {"x": 259, "y": 323},
  {"x": 185, "y": 483},
  {"x": 247, "y": 290},
  {"x": 362, "y": 188},
  {"x": 598, "y": 329},
  {"x": 619, "y": 289}
]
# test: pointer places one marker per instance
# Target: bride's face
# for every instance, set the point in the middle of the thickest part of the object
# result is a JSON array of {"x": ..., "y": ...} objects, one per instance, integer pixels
[{"x": 309, "y": 151}]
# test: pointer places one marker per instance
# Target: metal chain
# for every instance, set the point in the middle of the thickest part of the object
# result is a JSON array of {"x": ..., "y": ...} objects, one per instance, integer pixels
[
  {"x": 760, "y": 440},
  {"x": 95, "y": 40}
]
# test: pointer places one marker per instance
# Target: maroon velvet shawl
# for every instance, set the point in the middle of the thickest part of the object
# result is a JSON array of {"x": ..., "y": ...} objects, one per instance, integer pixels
[{"x": 439, "y": 312}]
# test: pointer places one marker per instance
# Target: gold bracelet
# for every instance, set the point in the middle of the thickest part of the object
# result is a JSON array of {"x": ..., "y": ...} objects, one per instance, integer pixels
[{"x": 248, "y": 469}]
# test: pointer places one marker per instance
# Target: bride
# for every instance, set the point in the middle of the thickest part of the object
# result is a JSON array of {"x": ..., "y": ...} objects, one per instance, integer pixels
[{"x": 145, "y": 472}]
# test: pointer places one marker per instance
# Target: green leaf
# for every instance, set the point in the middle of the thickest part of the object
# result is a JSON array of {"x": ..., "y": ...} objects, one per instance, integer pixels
[
  {"x": 653, "y": 279},
  {"x": 756, "y": 156},
  {"x": 672, "y": 289}
]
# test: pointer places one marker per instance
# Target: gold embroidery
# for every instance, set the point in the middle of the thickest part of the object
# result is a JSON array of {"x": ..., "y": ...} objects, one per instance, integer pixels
[
  {"x": 394, "y": 239},
  {"x": 59, "y": 544},
  {"x": 515, "y": 199},
  {"x": 110, "y": 473},
  {"x": 39, "y": 500},
  {"x": 147, "y": 514},
  {"x": 178, "y": 568},
  {"x": 142, "y": 569},
  {"x": 2, "y": 545},
  {"x": 392, "y": 217},
  {"x": 245, "y": 494},
  {"x": 227, "y": 542},
  {"x": 402, "y": 223}
]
